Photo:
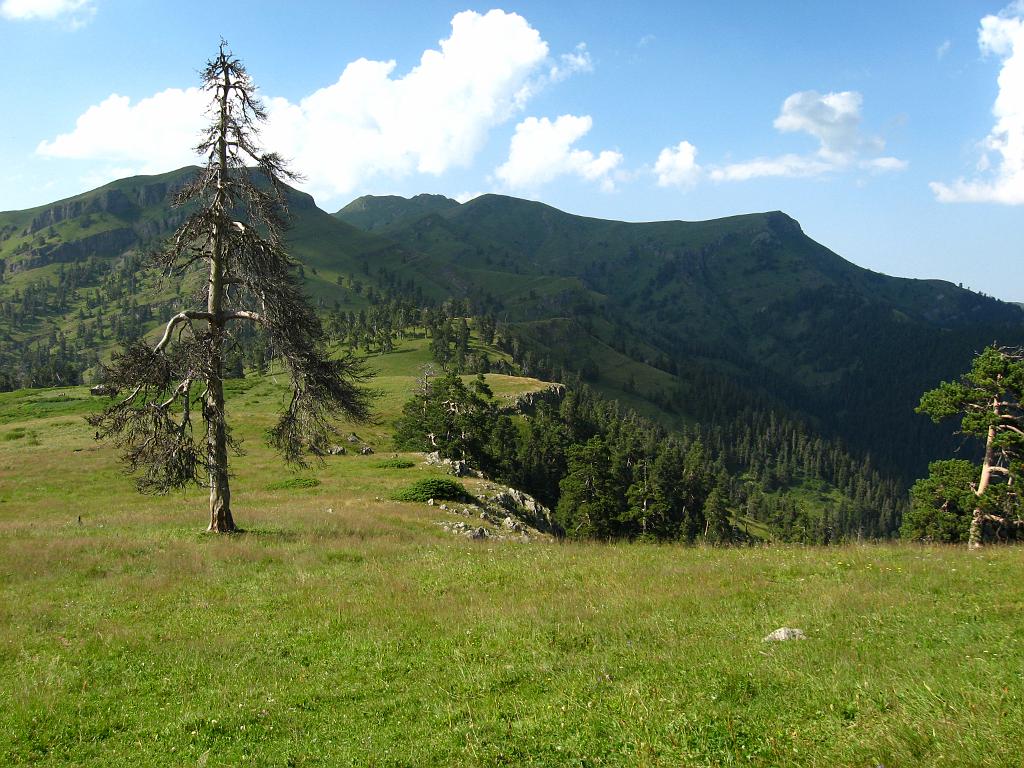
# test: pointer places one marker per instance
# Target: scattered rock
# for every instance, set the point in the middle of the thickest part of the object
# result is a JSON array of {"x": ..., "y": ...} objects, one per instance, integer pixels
[
  {"x": 430, "y": 502},
  {"x": 336, "y": 450},
  {"x": 477, "y": 533},
  {"x": 365, "y": 451},
  {"x": 444, "y": 507},
  {"x": 353, "y": 438},
  {"x": 513, "y": 525},
  {"x": 456, "y": 467},
  {"x": 785, "y": 633},
  {"x": 102, "y": 390},
  {"x": 525, "y": 507}
]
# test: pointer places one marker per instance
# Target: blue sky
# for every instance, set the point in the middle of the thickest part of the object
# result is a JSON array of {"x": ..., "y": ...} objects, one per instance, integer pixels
[{"x": 894, "y": 132}]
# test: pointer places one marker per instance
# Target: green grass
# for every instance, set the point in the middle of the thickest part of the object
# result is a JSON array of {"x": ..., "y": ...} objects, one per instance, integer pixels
[{"x": 344, "y": 628}]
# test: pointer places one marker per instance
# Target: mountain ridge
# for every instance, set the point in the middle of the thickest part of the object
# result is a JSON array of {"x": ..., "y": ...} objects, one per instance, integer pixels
[{"x": 662, "y": 315}]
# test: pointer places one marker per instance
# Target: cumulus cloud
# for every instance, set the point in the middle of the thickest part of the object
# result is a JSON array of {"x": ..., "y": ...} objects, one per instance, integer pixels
[
  {"x": 155, "y": 134},
  {"x": 834, "y": 120},
  {"x": 542, "y": 150},
  {"x": 1000, "y": 176},
  {"x": 371, "y": 123},
  {"x": 677, "y": 166},
  {"x": 75, "y": 11}
]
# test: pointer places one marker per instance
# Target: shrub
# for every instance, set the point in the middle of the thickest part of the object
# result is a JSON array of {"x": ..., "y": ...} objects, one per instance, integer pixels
[
  {"x": 396, "y": 464},
  {"x": 433, "y": 488},
  {"x": 293, "y": 483}
]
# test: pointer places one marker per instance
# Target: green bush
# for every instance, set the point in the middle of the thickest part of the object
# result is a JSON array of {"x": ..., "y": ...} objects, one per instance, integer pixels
[
  {"x": 293, "y": 483},
  {"x": 433, "y": 488},
  {"x": 396, "y": 464}
]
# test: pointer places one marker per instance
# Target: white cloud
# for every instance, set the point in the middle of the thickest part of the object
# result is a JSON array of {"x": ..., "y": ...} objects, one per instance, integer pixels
[
  {"x": 1002, "y": 162},
  {"x": 541, "y": 151},
  {"x": 834, "y": 120},
  {"x": 677, "y": 166},
  {"x": 784, "y": 165},
  {"x": 571, "y": 63},
  {"x": 76, "y": 11},
  {"x": 943, "y": 49},
  {"x": 156, "y": 133},
  {"x": 884, "y": 164},
  {"x": 370, "y": 123}
]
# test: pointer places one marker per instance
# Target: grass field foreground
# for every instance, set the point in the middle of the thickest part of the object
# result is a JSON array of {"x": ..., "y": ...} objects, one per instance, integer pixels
[{"x": 344, "y": 628}]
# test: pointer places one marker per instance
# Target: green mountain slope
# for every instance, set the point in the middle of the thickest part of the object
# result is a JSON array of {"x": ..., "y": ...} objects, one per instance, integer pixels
[
  {"x": 747, "y": 300},
  {"x": 379, "y": 212},
  {"x": 685, "y": 321}
]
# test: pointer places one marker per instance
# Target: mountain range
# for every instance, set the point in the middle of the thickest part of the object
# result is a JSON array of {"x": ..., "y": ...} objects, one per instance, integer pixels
[{"x": 683, "y": 321}]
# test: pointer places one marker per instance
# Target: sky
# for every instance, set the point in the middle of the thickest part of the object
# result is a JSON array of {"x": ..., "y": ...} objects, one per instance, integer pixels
[{"x": 893, "y": 131}]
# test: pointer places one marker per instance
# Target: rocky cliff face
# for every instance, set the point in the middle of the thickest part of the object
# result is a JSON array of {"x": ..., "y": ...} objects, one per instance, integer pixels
[
  {"x": 126, "y": 206},
  {"x": 111, "y": 242},
  {"x": 527, "y": 402}
]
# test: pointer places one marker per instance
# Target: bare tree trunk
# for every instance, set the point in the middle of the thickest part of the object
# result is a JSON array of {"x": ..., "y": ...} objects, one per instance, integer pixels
[
  {"x": 216, "y": 429},
  {"x": 974, "y": 535}
]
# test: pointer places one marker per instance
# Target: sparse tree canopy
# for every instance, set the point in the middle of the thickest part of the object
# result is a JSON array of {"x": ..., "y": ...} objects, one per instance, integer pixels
[
  {"x": 988, "y": 400},
  {"x": 233, "y": 234}
]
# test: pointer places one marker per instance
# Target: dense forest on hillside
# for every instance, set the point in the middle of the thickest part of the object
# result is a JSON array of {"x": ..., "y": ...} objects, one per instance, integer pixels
[{"x": 793, "y": 371}]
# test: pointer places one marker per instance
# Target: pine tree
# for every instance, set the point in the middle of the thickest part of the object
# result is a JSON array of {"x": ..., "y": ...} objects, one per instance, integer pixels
[
  {"x": 586, "y": 507},
  {"x": 233, "y": 233},
  {"x": 988, "y": 400}
]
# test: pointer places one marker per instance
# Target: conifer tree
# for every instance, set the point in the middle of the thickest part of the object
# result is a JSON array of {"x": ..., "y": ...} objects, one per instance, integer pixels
[
  {"x": 988, "y": 400},
  {"x": 587, "y": 506},
  {"x": 233, "y": 233}
]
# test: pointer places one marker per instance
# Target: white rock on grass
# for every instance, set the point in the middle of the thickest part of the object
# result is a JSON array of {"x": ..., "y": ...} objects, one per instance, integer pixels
[{"x": 785, "y": 633}]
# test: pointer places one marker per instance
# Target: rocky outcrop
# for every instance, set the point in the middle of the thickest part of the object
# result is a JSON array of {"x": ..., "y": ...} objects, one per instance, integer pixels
[
  {"x": 523, "y": 507},
  {"x": 455, "y": 467},
  {"x": 110, "y": 243},
  {"x": 501, "y": 514},
  {"x": 527, "y": 402},
  {"x": 126, "y": 205}
]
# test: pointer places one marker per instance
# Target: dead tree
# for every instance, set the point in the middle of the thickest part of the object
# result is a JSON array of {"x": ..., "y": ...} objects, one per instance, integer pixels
[
  {"x": 988, "y": 398},
  {"x": 233, "y": 234}
]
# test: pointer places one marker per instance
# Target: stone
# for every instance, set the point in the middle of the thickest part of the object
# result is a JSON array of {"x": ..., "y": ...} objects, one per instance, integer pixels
[
  {"x": 477, "y": 533},
  {"x": 353, "y": 438},
  {"x": 783, "y": 634},
  {"x": 430, "y": 502},
  {"x": 366, "y": 450},
  {"x": 337, "y": 450},
  {"x": 444, "y": 507}
]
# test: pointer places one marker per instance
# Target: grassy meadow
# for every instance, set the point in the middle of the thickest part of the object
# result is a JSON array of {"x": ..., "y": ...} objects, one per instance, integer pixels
[{"x": 343, "y": 628}]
